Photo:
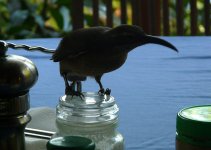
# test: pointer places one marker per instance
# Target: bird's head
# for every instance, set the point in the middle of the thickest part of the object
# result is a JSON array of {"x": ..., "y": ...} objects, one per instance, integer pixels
[{"x": 132, "y": 36}]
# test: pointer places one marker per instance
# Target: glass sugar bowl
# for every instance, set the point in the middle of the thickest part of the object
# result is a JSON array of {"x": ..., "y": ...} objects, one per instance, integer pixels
[{"x": 94, "y": 116}]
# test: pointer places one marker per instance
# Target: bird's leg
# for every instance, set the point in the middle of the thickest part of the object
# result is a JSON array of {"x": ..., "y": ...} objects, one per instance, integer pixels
[
  {"x": 98, "y": 80},
  {"x": 65, "y": 80},
  {"x": 79, "y": 89},
  {"x": 79, "y": 86},
  {"x": 68, "y": 88},
  {"x": 71, "y": 90},
  {"x": 75, "y": 89},
  {"x": 72, "y": 86}
]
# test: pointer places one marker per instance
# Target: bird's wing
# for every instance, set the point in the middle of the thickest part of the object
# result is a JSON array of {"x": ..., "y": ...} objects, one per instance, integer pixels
[{"x": 78, "y": 42}]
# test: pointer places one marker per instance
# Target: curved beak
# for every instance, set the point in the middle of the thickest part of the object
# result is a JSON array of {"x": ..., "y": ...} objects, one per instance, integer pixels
[{"x": 155, "y": 40}]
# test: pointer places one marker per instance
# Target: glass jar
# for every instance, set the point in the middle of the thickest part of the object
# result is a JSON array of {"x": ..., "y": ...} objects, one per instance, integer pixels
[
  {"x": 194, "y": 128},
  {"x": 94, "y": 116}
]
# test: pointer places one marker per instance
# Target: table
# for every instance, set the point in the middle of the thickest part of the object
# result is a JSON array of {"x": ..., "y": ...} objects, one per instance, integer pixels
[{"x": 153, "y": 85}]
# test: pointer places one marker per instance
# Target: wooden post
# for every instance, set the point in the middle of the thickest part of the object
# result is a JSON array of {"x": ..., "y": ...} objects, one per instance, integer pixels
[
  {"x": 136, "y": 12},
  {"x": 123, "y": 5},
  {"x": 77, "y": 14},
  {"x": 155, "y": 17},
  {"x": 145, "y": 16},
  {"x": 166, "y": 28},
  {"x": 193, "y": 17},
  {"x": 109, "y": 13},
  {"x": 95, "y": 4},
  {"x": 180, "y": 17},
  {"x": 207, "y": 7}
]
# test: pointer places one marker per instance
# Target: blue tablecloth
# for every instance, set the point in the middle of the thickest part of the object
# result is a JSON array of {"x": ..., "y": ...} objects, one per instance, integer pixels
[{"x": 152, "y": 86}]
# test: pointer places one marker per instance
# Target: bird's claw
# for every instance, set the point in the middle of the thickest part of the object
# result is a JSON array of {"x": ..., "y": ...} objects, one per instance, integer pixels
[
  {"x": 68, "y": 90},
  {"x": 76, "y": 93},
  {"x": 101, "y": 91},
  {"x": 106, "y": 92},
  {"x": 71, "y": 92}
]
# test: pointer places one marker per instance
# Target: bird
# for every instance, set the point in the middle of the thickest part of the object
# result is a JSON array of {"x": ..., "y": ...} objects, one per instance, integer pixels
[{"x": 94, "y": 51}]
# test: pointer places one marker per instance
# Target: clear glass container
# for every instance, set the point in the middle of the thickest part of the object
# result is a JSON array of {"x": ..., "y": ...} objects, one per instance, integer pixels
[{"x": 94, "y": 116}]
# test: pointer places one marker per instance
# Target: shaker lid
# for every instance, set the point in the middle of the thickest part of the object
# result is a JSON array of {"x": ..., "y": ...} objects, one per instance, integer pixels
[
  {"x": 70, "y": 143},
  {"x": 195, "y": 122}
]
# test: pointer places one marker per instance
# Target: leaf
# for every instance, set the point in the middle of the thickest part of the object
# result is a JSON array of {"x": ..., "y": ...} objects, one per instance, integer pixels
[
  {"x": 14, "y": 5},
  {"x": 58, "y": 17},
  {"x": 66, "y": 18},
  {"x": 18, "y": 17},
  {"x": 89, "y": 19},
  {"x": 39, "y": 20},
  {"x": 63, "y": 2}
]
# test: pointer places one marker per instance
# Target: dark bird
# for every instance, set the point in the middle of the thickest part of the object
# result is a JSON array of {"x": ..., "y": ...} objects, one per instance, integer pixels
[{"x": 98, "y": 50}]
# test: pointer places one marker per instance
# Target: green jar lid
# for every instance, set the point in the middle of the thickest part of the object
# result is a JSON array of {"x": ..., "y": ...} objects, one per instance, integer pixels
[
  {"x": 70, "y": 143},
  {"x": 195, "y": 122}
]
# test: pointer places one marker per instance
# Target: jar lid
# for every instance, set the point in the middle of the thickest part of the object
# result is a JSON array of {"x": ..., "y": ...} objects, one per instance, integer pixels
[
  {"x": 195, "y": 122},
  {"x": 70, "y": 143}
]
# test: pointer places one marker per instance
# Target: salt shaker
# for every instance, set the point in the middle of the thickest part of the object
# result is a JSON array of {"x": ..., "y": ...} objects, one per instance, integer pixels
[{"x": 94, "y": 116}]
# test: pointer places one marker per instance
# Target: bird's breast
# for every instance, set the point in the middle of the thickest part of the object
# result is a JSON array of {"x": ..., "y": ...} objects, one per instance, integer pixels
[{"x": 92, "y": 64}]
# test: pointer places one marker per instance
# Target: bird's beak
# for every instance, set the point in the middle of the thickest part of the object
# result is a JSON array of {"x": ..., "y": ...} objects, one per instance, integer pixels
[{"x": 155, "y": 40}]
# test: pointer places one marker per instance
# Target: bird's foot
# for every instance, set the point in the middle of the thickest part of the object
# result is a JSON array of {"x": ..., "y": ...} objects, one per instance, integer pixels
[
  {"x": 71, "y": 92},
  {"x": 105, "y": 92},
  {"x": 77, "y": 93},
  {"x": 108, "y": 91},
  {"x": 101, "y": 91}
]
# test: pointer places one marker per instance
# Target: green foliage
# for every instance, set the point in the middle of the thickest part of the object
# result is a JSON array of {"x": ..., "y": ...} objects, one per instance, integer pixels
[
  {"x": 43, "y": 18},
  {"x": 51, "y": 18},
  {"x": 187, "y": 18},
  {"x": 33, "y": 18}
]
